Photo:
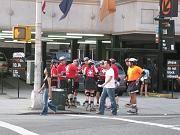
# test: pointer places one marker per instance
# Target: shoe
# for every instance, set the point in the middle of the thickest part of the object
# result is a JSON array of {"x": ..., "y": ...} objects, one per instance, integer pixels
[
  {"x": 133, "y": 110},
  {"x": 43, "y": 114},
  {"x": 114, "y": 114},
  {"x": 128, "y": 105},
  {"x": 86, "y": 105},
  {"x": 55, "y": 110},
  {"x": 99, "y": 113},
  {"x": 108, "y": 107},
  {"x": 92, "y": 108}
]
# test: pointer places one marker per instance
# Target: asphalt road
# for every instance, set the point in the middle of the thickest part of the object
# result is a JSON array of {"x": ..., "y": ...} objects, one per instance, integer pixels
[{"x": 90, "y": 125}]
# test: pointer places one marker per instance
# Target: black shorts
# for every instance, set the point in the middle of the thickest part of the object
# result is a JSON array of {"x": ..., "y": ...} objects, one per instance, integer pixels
[
  {"x": 133, "y": 87},
  {"x": 54, "y": 82},
  {"x": 62, "y": 84},
  {"x": 70, "y": 86},
  {"x": 118, "y": 92},
  {"x": 76, "y": 86},
  {"x": 99, "y": 89},
  {"x": 90, "y": 83}
]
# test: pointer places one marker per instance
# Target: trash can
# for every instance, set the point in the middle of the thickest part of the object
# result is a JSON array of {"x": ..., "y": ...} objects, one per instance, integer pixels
[{"x": 59, "y": 97}]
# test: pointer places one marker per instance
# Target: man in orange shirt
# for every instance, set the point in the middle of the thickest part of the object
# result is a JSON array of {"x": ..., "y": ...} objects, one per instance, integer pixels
[{"x": 134, "y": 74}]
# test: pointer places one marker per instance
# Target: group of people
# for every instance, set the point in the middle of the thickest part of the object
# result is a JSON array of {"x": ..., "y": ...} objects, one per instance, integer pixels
[{"x": 99, "y": 82}]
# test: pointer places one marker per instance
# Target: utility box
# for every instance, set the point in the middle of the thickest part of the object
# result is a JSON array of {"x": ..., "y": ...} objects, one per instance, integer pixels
[
  {"x": 30, "y": 72},
  {"x": 59, "y": 97}
]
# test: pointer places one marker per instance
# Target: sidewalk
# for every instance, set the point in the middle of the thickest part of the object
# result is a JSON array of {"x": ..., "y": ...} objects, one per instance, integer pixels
[{"x": 147, "y": 105}]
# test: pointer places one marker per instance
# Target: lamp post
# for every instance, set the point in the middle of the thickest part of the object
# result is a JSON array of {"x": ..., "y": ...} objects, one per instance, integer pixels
[{"x": 36, "y": 97}]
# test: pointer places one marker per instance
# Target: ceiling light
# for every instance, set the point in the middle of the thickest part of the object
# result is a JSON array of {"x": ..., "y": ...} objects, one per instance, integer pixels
[
  {"x": 58, "y": 36},
  {"x": 11, "y": 32},
  {"x": 6, "y": 31},
  {"x": 15, "y": 41},
  {"x": 106, "y": 42},
  {"x": 54, "y": 38},
  {"x": 33, "y": 32},
  {"x": 58, "y": 43},
  {"x": 87, "y": 42},
  {"x": 81, "y": 34},
  {"x": 6, "y": 36}
]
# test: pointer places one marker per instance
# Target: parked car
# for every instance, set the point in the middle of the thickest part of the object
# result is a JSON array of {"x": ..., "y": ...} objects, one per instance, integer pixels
[
  {"x": 3, "y": 63},
  {"x": 122, "y": 75}
]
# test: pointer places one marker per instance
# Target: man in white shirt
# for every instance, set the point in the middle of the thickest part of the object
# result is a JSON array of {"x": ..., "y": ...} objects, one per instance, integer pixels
[{"x": 108, "y": 89}]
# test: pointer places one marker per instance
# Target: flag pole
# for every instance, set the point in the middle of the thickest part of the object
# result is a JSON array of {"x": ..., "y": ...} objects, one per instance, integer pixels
[{"x": 35, "y": 96}]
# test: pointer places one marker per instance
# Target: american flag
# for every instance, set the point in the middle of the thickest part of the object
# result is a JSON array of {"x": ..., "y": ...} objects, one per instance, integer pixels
[{"x": 44, "y": 6}]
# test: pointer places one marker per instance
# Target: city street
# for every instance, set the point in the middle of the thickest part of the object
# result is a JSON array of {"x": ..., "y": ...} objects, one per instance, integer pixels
[
  {"x": 90, "y": 124},
  {"x": 74, "y": 56},
  {"x": 156, "y": 116}
]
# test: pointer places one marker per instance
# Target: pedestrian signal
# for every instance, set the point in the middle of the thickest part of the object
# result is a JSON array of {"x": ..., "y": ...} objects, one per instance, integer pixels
[{"x": 22, "y": 33}]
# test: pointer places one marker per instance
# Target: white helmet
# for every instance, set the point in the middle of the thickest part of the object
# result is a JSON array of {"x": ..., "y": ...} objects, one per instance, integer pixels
[
  {"x": 62, "y": 58},
  {"x": 133, "y": 60}
]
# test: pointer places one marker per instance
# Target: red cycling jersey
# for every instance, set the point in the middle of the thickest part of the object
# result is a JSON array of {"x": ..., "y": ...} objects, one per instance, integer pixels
[
  {"x": 53, "y": 71},
  {"x": 61, "y": 71},
  {"x": 101, "y": 71},
  {"x": 115, "y": 68},
  {"x": 71, "y": 71},
  {"x": 90, "y": 71}
]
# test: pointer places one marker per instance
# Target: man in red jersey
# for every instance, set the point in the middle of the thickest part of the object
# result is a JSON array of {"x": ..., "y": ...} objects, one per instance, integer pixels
[
  {"x": 101, "y": 80},
  {"x": 90, "y": 85},
  {"x": 71, "y": 75},
  {"x": 85, "y": 64},
  {"x": 54, "y": 73},
  {"x": 61, "y": 73}
]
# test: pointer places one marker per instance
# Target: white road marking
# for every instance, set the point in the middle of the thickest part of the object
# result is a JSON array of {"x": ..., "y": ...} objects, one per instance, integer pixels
[
  {"x": 16, "y": 129},
  {"x": 137, "y": 116},
  {"x": 129, "y": 120}
]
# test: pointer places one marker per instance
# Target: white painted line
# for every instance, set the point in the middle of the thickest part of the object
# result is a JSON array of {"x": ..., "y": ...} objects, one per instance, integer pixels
[
  {"x": 128, "y": 120},
  {"x": 136, "y": 116},
  {"x": 16, "y": 129}
]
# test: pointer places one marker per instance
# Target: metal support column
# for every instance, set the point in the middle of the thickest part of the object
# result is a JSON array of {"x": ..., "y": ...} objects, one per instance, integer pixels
[{"x": 74, "y": 48}]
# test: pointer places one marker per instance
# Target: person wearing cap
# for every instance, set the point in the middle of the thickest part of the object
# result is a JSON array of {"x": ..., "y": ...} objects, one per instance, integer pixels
[
  {"x": 115, "y": 68},
  {"x": 61, "y": 73},
  {"x": 108, "y": 90},
  {"x": 101, "y": 80},
  {"x": 116, "y": 77},
  {"x": 134, "y": 74},
  {"x": 85, "y": 65},
  {"x": 71, "y": 75},
  {"x": 86, "y": 59},
  {"x": 54, "y": 73},
  {"x": 90, "y": 85}
]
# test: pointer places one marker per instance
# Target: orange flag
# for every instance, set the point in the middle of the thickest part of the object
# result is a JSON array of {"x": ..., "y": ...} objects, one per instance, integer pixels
[{"x": 107, "y": 7}]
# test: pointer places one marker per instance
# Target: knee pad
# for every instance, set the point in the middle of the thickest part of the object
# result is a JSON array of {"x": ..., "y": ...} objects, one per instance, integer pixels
[
  {"x": 87, "y": 93},
  {"x": 92, "y": 94},
  {"x": 70, "y": 96}
]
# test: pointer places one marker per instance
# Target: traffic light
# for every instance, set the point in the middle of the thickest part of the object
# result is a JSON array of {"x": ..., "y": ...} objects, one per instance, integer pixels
[{"x": 22, "y": 33}]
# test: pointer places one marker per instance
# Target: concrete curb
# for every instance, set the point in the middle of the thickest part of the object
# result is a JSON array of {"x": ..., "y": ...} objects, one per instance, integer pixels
[{"x": 161, "y": 95}]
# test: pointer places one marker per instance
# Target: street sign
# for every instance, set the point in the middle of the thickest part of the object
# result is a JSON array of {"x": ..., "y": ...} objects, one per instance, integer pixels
[
  {"x": 22, "y": 33},
  {"x": 167, "y": 35},
  {"x": 173, "y": 69},
  {"x": 168, "y": 8},
  {"x": 18, "y": 65}
]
